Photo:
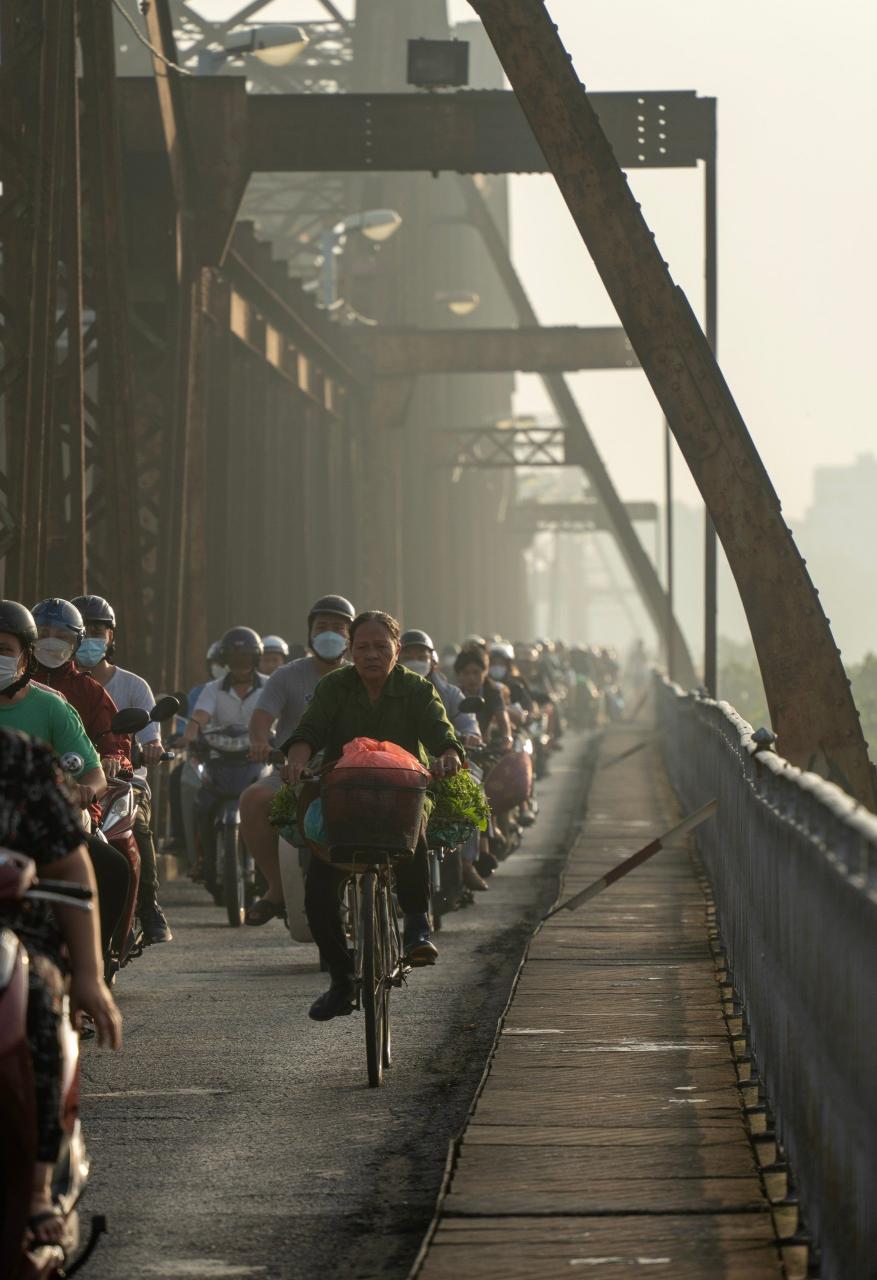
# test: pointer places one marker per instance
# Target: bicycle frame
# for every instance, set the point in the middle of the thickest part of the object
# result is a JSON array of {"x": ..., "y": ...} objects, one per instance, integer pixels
[{"x": 377, "y": 957}]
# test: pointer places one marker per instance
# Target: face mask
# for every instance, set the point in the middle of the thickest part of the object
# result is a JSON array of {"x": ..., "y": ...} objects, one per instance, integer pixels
[
  {"x": 218, "y": 671},
  {"x": 8, "y": 671},
  {"x": 419, "y": 666},
  {"x": 329, "y": 645},
  {"x": 496, "y": 672},
  {"x": 90, "y": 652},
  {"x": 53, "y": 653}
]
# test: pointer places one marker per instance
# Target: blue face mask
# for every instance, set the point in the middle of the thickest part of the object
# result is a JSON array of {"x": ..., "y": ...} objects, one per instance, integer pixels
[
  {"x": 90, "y": 651},
  {"x": 329, "y": 645}
]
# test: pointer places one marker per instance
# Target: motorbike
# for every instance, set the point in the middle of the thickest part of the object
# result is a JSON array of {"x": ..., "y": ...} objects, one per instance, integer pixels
[
  {"x": 224, "y": 769},
  {"x": 118, "y": 814},
  {"x": 20, "y": 1260}
]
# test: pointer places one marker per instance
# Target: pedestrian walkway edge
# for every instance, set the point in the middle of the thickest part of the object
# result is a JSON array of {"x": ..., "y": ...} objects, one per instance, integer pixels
[{"x": 571, "y": 835}]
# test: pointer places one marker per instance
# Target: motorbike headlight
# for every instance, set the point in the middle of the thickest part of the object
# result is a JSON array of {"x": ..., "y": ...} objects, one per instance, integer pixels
[{"x": 120, "y": 808}]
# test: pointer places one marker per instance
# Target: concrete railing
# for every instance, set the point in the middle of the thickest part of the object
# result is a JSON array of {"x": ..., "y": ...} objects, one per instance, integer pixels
[{"x": 793, "y": 865}]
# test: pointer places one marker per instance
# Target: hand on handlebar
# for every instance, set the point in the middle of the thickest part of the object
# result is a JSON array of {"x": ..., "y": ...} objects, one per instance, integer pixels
[
  {"x": 87, "y": 794},
  {"x": 152, "y": 752},
  {"x": 260, "y": 751},
  {"x": 447, "y": 764},
  {"x": 111, "y": 766}
]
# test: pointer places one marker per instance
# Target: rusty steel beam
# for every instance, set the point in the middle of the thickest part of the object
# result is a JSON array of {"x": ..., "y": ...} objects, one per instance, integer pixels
[
  {"x": 473, "y": 131},
  {"x": 108, "y": 294},
  {"x": 808, "y": 692},
  {"x": 580, "y": 446},
  {"x": 394, "y": 352}
]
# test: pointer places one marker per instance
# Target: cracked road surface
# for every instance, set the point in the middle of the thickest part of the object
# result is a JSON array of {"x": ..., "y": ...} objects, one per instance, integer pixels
[{"x": 233, "y": 1137}]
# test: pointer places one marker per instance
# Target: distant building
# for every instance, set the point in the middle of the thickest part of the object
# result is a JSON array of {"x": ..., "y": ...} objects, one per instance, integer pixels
[{"x": 838, "y": 538}]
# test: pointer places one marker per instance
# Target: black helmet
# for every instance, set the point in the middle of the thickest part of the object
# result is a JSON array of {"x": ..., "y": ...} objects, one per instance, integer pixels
[
  {"x": 55, "y": 612},
  {"x": 17, "y": 621},
  {"x": 416, "y": 637},
  {"x": 240, "y": 640},
  {"x": 95, "y": 609},
  {"x": 332, "y": 604}
]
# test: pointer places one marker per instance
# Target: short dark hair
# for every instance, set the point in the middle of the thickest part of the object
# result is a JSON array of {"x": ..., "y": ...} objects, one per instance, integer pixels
[
  {"x": 471, "y": 658},
  {"x": 376, "y": 615}
]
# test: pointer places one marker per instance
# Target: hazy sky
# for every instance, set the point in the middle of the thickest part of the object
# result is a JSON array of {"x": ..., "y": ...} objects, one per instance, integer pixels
[{"x": 797, "y": 189}]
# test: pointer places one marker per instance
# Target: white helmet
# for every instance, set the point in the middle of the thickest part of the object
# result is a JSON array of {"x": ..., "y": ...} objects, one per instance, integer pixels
[
  {"x": 275, "y": 644},
  {"x": 502, "y": 650}
]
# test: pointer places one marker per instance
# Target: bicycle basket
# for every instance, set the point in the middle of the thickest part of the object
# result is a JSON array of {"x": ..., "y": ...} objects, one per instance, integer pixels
[{"x": 373, "y": 810}]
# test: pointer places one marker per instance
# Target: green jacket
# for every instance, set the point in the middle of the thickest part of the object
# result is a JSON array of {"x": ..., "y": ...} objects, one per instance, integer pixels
[{"x": 409, "y": 712}]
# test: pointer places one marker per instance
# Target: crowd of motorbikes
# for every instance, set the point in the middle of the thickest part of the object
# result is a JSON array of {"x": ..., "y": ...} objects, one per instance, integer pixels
[{"x": 577, "y": 687}]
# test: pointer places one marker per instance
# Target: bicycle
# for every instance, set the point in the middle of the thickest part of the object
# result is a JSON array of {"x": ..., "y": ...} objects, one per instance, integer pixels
[{"x": 378, "y": 965}]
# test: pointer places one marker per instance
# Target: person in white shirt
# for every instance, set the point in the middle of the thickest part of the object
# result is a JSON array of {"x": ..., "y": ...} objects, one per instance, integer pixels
[
  {"x": 127, "y": 690},
  {"x": 226, "y": 703},
  {"x": 281, "y": 705}
]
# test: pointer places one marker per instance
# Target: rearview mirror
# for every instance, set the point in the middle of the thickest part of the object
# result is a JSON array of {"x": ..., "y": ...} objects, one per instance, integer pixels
[
  {"x": 471, "y": 706},
  {"x": 183, "y": 700},
  {"x": 129, "y": 720},
  {"x": 167, "y": 706}
]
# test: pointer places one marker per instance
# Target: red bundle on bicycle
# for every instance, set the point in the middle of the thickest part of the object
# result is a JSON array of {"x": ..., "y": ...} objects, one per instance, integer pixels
[{"x": 373, "y": 799}]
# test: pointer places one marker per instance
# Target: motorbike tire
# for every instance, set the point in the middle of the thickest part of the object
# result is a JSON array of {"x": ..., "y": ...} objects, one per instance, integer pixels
[{"x": 233, "y": 876}]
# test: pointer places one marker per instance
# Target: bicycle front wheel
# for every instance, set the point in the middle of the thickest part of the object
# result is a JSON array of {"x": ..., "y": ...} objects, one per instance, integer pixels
[{"x": 374, "y": 981}]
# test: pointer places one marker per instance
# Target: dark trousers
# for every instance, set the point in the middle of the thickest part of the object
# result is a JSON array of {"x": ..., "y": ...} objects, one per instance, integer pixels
[
  {"x": 113, "y": 876},
  {"x": 324, "y": 888},
  {"x": 44, "y": 1012},
  {"x": 148, "y": 857}
]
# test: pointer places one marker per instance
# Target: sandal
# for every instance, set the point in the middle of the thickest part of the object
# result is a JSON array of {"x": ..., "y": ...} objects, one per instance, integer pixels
[{"x": 263, "y": 910}]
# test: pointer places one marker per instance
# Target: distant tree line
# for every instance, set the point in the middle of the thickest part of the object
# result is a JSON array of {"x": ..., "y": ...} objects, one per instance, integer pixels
[{"x": 740, "y": 684}]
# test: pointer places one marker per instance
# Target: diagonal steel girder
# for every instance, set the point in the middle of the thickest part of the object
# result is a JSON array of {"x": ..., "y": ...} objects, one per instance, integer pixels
[
  {"x": 581, "y": 449},
  {"x": 807, "y": 688}
]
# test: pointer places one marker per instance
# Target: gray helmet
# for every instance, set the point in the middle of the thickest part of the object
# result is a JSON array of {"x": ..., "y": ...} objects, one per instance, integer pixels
[
  {"x": 275, "y": 644},
  {"x": 95, "y": 609},
  {"x": 17, "y": 621},
  {"x": 331, "y": 604},
  {"x": 55, "y": 612},
  {"x": 416, "y": 637}
]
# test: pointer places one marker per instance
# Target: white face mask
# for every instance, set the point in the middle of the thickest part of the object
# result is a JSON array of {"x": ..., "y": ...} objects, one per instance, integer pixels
[
  {"x": 217, "y": 670},
  {"x": 329, "y": 645},
  {"x": 8, "y": 670},
  {"x": 53, "y": 653},
  {"x": 496, "y": 672},
  {"x": 419, "y": 666}
]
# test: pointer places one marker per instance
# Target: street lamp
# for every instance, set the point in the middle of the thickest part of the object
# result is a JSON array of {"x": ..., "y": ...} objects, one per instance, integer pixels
[
  {"x": 376, "y": 225},
  {"x": 276, "y": 44},
  {"x": 460, "y": 302}
]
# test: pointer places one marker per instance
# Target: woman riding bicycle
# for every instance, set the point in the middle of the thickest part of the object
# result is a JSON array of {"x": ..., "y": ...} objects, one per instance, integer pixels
[{"x": 373, "y": 698}]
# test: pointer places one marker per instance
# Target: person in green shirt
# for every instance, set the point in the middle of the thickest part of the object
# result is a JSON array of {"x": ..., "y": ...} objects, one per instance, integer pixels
[
  {"x": 372, "y": 698},
  {"x": 37, "y": 711}
]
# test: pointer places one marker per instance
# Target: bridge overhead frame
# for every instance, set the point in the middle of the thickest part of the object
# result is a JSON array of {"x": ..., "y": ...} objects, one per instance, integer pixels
[{"x": 807, "y": 687}]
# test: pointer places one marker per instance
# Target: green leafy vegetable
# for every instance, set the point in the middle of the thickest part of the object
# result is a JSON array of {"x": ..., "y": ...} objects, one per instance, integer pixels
[
  {"x": 283, "y": 813},
  {"x": 459, "y": 800}
]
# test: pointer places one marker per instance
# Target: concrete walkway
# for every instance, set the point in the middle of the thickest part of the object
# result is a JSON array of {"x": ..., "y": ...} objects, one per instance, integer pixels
[{"x": 608, "y": 1138}]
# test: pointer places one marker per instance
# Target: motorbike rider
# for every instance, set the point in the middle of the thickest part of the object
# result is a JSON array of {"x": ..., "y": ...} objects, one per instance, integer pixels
[
  {"x": 60, "y": 631},
  {"x": 471, "y": 667},
  {"x": 275, "y": 652},
  {"x": 226, "y": 703},
  {"x": 419, "y": 655},
  {"x": 503, "y": 670},
  {"x": 127, "y": 690},
  {"x": 283, "y": 700},
  {"x": 48, "y": 716},
  {"x": 374, "y": 697},
  {"x": 38, "y": 818}
]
